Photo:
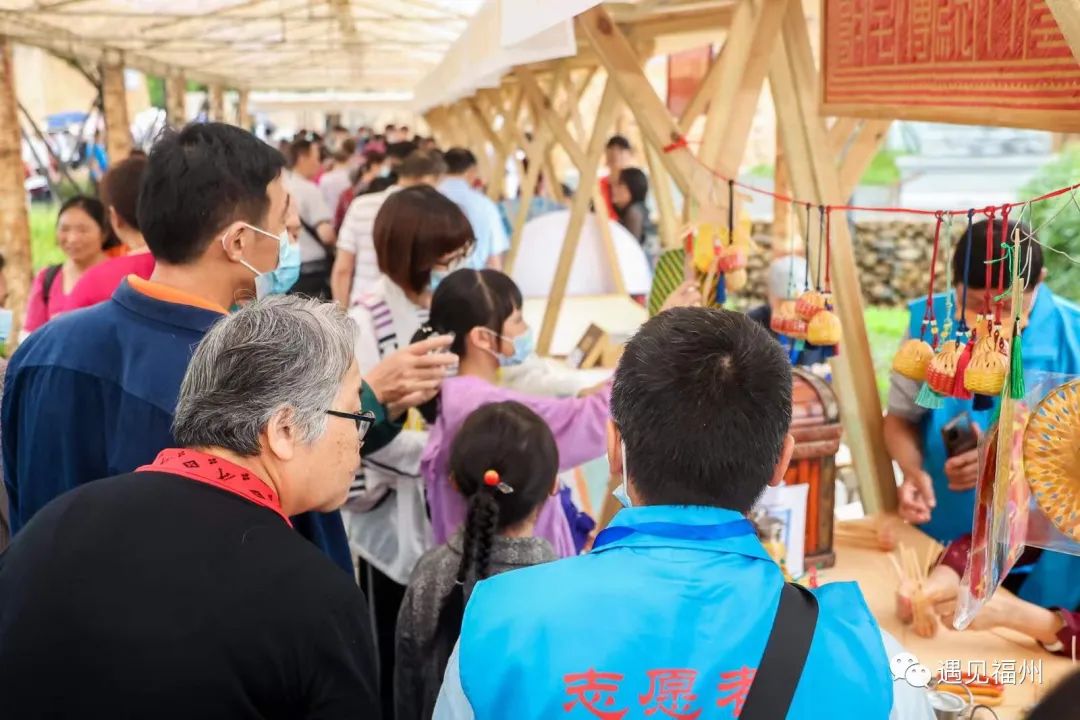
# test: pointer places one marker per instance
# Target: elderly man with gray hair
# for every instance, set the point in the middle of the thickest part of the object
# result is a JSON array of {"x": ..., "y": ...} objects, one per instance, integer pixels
[{"x": 181, "y": 590}]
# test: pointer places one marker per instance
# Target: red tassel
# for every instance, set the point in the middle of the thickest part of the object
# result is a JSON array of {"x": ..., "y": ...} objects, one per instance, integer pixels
[{"x": 959, "y": 391}]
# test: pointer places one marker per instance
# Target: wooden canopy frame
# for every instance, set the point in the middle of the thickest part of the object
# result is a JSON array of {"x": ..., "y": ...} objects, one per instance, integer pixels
[{"x": 820, "y": 162}]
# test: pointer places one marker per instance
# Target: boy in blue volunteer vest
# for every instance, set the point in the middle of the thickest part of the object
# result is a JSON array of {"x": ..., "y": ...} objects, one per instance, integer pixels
[
  {"x": 938, "y": 490},
  {"x": 674, "y": 607},
  {"x": 92, "y": 393}
]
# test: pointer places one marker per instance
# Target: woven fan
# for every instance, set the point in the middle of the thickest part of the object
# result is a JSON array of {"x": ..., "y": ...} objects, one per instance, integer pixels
[
  {"x": 670, "y": 274},
  {"x": 1052, "y": 457}
]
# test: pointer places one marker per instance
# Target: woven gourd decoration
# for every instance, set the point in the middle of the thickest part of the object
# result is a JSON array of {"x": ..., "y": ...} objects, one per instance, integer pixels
[
  {"x": 781, "y": 319},
  {"x": 985, "y": 374},
  {"x": 731, "y": 258},
  {"x": 810, "y": 303},
  {"x": 823, "y": 328},
  {"x": 942, "y": 371},
  {"x": 913, "y": 359},
  {"x": 736, "y": 280}
]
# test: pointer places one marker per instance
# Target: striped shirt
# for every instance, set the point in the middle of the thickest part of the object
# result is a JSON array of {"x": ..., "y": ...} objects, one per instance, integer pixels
[{"x": 356, "y": 237}]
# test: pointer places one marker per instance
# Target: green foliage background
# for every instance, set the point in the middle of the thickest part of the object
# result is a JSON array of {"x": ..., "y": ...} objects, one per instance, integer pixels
[{"x": 1063, "y": 232}]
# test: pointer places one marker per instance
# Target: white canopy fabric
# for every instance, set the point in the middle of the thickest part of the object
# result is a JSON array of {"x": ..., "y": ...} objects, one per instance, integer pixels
[
  {"x": 299, "y": 45},
  {"x": 502, "y": 35}
]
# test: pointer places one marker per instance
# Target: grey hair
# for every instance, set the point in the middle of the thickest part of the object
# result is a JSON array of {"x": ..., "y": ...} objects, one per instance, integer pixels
[{"x": 282, "y": 352}]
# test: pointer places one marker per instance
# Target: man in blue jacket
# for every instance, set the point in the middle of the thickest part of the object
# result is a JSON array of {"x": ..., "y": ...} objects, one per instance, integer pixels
[
  {"x": 92, "y": 393},
  {"x": 938, "y": 491},
  {"x": 674, "y": 608}
]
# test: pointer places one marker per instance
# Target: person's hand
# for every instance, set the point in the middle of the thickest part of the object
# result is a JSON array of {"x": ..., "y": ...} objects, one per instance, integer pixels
[
  {"x": 593, "y": 389},
  {"x": 962, "y": 470},
  {"x": 686, "y": 295},
  {"x": 916, "y": 495},
  {"x": 412, "y": 375}
]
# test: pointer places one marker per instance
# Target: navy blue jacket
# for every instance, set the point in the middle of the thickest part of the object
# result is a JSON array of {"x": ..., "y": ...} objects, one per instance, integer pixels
[{"x": 91, "y": 394}]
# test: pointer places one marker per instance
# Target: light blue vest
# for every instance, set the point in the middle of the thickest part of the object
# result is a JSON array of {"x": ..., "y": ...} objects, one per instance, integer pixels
[
  {"x": 649, "y": 622},
  {"x": 1051, "y": 343}
]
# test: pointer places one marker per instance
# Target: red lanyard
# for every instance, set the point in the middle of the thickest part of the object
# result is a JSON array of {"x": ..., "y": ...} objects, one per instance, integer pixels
[{"x": 218, "y": 472}]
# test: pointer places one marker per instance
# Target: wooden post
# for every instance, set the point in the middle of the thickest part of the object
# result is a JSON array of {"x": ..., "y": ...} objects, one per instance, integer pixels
[
  {"x": 243, "y": 116},
  {"x": 660, "y": 185},
  {"x": 861, "y": 149},
  {"x": 579, "y": 208},
  {"x": 781, "y": 225},
  {"x": 114, "y": 98},
  {"x": 814, "y": 175},
  {"x": 14, "y": 220},
  {"x": 176, "y": 99},
  {"x": 217, "y": 103},
  {"x": 536, "y": 152}
]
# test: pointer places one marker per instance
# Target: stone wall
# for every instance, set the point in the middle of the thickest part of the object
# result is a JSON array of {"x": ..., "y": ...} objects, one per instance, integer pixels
[{"x": 893, "y": 258}]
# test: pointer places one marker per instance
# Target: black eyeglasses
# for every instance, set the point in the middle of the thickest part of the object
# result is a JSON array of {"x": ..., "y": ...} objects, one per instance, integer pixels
[{"x": 363, "y": 421}]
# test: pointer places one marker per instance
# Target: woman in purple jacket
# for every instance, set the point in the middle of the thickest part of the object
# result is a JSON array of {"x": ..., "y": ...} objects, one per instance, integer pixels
[{"x": 482, "y": 309}]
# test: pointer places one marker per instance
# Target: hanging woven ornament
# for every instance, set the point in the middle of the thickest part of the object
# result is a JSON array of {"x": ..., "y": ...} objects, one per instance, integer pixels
[
  {"x": 813, "y": 301},
  {"x": 782, "y": 318},
  {"x": 913, "y": 359},
  {"x": 928, "y": 397},
  {"x": 964, "y": 336},
  {"x": 941, "y": 374},
  {"x": 986, "y": 373},
  {"x": 990, "y": 336},
  {"x": 1017, "y": 387},
  {"x": 824, "y": 330}
]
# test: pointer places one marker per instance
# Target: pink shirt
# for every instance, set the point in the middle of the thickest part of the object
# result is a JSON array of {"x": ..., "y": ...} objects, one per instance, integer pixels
[
  {"x": 578, "y": 424},
  {"x": 99, "y": 282},
  {"x": 37, "y": 313}
]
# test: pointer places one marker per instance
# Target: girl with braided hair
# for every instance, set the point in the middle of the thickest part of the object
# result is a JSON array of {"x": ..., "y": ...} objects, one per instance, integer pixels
[{"x": 504, "y": 461}]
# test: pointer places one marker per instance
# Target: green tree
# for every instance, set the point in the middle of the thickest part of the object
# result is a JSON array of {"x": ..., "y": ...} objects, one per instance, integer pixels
[
  {"x": 155, "y": 87},
  {"x": 1058, "y": 220}
]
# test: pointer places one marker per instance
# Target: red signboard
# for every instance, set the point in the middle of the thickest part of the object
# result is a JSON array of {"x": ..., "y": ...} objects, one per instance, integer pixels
[
  {"x": 686, "y": 70},
  {"x": 984, "y": 62}
]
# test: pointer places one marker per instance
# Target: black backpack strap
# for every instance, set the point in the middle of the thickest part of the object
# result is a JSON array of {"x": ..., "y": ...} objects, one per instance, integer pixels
[
  {"x": 313, "y": 231},
  {"x": 777, "y": 676},
  {"x": 47, "y": 282}
]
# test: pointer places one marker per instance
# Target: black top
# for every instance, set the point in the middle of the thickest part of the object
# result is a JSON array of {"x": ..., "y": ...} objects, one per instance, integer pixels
[{"x": 150, "y": 595}]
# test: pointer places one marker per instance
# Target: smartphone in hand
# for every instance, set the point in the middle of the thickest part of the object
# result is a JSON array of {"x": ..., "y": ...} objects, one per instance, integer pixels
[{"x": 959, "y": 435}]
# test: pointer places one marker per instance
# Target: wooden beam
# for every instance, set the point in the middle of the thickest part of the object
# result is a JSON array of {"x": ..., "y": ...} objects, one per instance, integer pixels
[
  {"x": 860, "y": 151},
  {"x": 176, "y": 99},
  {"x": 728, "y": 123},
  {"x": 624, "y": 69},
  {"x": 114, "y": 100},
  {"x": 719, "y": 84},
  {"x": 660, "y": 184},
  {"x": 555, "y": 123},
  {"x": 216, "y": 101},
  {"x": 781, "y": 224},
  {"x": 14, "y": 219},
  {"x": 840, "y": 133},
  {"x": 536, "y": 151},
  {"x": 579, "y": 208},
  {"x": 815, "y": 176},
  {"x": 243, "y": 114},
  {"x": 1067, "y": 14}
]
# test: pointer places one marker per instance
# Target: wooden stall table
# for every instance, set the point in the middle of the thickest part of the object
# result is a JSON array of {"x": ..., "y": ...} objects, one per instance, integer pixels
[{"x": 877, "y": 580}]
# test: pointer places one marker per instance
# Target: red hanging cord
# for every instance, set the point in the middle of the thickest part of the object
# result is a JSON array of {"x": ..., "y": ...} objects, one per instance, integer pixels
[{"x": 928, "y": 314}]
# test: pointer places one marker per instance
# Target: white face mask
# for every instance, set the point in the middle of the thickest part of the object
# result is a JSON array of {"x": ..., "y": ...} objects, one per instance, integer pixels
[{"x": 621, "y": 493}]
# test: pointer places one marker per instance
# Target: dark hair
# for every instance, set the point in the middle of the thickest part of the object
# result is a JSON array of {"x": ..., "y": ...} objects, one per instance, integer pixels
[
  {"x": 618, "y": 141},
  {"x": 466, "y": 299},
  {"x": 346, "y": 149},
  {"x": 199, "y": 180},
  {"x": 400, "y": 150},
  {"x": 380, "y": 183},
  {"x": 96, "y": 210},
  {"x": 414, "y": 228},
  {"x": 702, "y": 399},
  {"x": 515, "y": 442},
  {"x": 636, "y": 182},
  {"x": 472, "y": 298},
  {"x": 421, "y": 163},
  {"x": 120, "y": 188},
  {"x": 301, "y": 146},
  {"x": 1031, "y": 256},
  {"x": 459, "y": 160}
]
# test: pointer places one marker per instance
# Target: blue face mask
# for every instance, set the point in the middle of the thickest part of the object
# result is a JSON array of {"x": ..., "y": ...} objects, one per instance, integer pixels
[
  {"x": 523, "y": 348},
  {"x": 281, "y": 279},
  {"x": 437, "y": 276}
]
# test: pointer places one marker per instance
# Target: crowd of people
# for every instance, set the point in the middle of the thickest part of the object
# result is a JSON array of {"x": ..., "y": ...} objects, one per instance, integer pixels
[{"x": 271, "y": 460}]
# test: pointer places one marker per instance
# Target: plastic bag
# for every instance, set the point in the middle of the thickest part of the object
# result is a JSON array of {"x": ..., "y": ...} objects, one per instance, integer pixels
[{"x": 1008, "y": 517}]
